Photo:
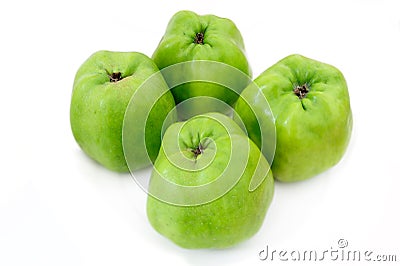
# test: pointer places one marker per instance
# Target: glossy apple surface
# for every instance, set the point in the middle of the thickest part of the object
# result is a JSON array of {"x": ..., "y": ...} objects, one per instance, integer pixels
[
  {"x": 190, "y": 37},
  {"x": 211, "y": 186},
  {"x": 311, "y": 110},
  {"x": 102, "y": 90}
]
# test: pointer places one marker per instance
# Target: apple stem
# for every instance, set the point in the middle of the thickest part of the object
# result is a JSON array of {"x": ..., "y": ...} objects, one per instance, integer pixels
[
  {"x": 199, "y": 38},
  {"x": 301, "y": 91}
]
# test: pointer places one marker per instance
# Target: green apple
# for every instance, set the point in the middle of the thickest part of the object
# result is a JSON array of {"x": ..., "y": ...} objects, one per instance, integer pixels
[
  {"x": 210, "y": 186},
  {"x": 311, "y": 111},
  {"x": 103, "y": 87},
  {"x": 190, "y": 38}
]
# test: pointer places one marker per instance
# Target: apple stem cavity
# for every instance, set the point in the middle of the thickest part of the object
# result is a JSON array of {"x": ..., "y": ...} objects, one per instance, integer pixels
[
  {"x": 199, "y": 38},
  {"x": 115, "y": 76},
  {"x": 301, "y": 91}
]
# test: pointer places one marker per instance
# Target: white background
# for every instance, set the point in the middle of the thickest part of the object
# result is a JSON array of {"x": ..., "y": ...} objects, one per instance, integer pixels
[{"x": 57, "y": 207}]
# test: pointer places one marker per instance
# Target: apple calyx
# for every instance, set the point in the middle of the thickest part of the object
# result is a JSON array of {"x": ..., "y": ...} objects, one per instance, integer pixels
[
  {"x": 199, "y": 38},
  {"x": 301, "y": 91},
  {"x": 198, "y": 150},
  {"x": 115, "y": 76}
]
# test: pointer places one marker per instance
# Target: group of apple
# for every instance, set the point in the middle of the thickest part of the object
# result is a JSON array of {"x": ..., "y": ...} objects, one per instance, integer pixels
[{"x": 215, "y": 138}]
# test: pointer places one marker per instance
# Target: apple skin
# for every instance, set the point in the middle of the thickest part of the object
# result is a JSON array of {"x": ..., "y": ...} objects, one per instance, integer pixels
[
  {"x": 220, "y": 41},
  {"x": 218, "y": 220},
  {"x": 313, "y": 128},
  {"x": 99, "y": 101}
]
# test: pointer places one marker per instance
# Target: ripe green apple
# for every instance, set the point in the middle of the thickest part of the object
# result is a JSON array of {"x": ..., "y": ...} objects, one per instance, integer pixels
[
  {"x": 190, "y": 38},
  {"x": 103, "y": 87},
  {"x": 311, "y": 111},
  {"x": 210, "y": 186}
]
